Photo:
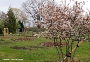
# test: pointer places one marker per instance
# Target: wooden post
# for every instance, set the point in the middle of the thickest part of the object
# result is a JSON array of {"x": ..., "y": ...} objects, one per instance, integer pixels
[
  {"x": 74, "y": 49},
  {"x": 5, "y": 31}
]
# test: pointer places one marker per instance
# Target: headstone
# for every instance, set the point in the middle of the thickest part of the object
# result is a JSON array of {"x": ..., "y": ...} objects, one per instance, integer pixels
[
  {"x": 5, "y": 31},
  {"x": 17, "y": 31},
  {"x": 20, "y": 30}
]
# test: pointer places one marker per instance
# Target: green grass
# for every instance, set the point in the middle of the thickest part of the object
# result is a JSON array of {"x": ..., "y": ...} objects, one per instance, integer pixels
[{"x": 36, "y": 54}]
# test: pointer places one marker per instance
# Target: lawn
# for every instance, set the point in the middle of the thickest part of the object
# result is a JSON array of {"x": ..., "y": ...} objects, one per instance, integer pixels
[{"x": 32, "y": 51}]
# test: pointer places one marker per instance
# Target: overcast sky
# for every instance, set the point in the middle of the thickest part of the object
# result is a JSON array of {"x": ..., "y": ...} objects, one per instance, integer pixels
[
  {"x": 4, "y": 4},
  {"x": 86, "y": 6}
]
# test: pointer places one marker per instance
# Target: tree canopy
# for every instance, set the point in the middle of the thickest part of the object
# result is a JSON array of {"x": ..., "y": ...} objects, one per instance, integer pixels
[{"x": 10, "y": 21}]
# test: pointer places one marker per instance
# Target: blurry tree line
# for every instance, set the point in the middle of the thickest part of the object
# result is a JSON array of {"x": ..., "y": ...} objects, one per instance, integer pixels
[
  {"x": 13, "y": 19},
  {"x": 35, "y": 29}
]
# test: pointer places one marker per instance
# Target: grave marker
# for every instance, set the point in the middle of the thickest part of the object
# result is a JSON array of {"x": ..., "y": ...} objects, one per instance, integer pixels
[{"x": 5, "y": 31}]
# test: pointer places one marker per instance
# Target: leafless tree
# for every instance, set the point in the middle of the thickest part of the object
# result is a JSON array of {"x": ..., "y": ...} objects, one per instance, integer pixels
[
  {"x": 31, "y": 7},
  {"x": 2, "y": 19},
  {"x": 2, "y": 15}
]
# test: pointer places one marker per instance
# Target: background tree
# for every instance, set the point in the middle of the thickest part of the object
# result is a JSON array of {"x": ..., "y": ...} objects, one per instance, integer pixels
[
  {"x": 21, "y": 19},
  {"x": 2, "y": 18},
  {"x": 2, "y": 15},
  {"x": 1, "y": 26},
  {"x": 21, "y": 25},
  {"x": 17, "y": 12},
  {"x": 17, "y": 25},
  {"x": 31, "y": 8},
  {"x": 10, "y": 22}
]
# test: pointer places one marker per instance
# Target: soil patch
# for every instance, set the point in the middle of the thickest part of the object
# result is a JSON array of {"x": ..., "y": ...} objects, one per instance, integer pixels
[
  {"x": 50, "y": 44},
  {"x": 19, "y": 48},
  {"x": 0, "y": 43},
  {"x": 26, "y": 48},
  {"x": 7, "y": 42},
  {"x": 23, "y": 39},
  {"x": 2, "y": 40},
  {"x": 50, "y": 61},
  {"x": 36, "y": 47}
]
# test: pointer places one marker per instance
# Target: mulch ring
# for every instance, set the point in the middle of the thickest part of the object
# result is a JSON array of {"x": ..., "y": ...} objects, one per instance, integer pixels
[
  {"x": 50, "y": 44},
  {"x": 23, "y": 39},
  {"x": 26, "y": 48}
]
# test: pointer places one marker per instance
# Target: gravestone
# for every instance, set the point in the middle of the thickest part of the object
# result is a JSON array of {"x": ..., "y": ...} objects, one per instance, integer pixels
[
  {"x": 18, "y": 31},
  {"x": 5, "y": 31}
]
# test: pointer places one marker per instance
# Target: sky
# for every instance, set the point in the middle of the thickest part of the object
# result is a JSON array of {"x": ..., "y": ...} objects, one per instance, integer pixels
[
  {"x": 4, "y": 4},
  {"x": 86, "y": 6}
]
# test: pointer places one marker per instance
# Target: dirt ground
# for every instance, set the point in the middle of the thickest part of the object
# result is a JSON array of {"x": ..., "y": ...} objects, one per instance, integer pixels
[{"x": 50, "y": 44}]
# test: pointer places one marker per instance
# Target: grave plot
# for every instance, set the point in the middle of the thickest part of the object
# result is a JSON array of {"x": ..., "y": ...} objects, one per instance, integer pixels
[
  {"x": 3, "y": 42},
  {"x": 23, "y": 39},
  {"x": 51, "y": 44},
  {"x": 26, "y": 48},
  {"x": 19, "y": 48}
]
